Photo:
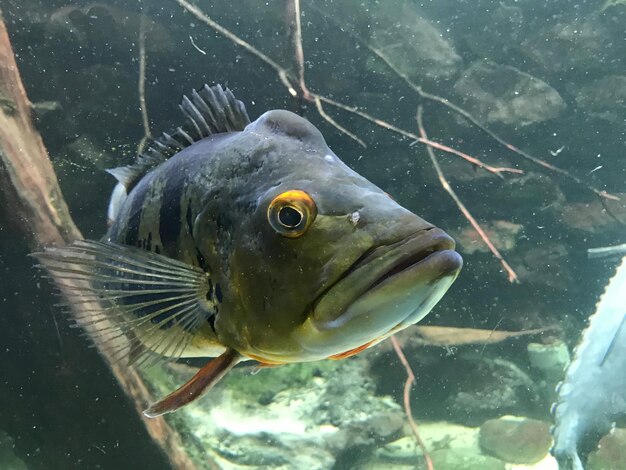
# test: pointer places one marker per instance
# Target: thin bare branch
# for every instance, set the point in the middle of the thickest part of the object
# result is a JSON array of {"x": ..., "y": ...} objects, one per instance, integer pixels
[
  {"x": 320, "y": 109},
  {"x": 410, "y": 380},
  {"x": 473, "y": 160},
  {"x": 415, "y": 137},
  {"x": 142, "y": 85},
  {"x": 464, "y": 113},
  {"x": 285, "y": 78},
  {"x": 446, "y": 186},
  {"x": 283, "y": 74},
  {"x": 300, "y": 52}
]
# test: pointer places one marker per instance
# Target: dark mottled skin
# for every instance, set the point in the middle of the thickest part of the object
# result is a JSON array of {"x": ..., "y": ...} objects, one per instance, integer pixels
[{"x": 212, "y": 203}]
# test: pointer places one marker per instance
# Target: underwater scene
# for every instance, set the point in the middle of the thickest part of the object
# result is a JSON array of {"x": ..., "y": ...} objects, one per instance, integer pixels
[{"x": 313, "y": 234}]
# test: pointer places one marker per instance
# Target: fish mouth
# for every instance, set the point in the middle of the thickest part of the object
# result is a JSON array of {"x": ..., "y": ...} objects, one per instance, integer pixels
[
  {"x": 386, "y": 289},
  {"x": 412, "y": 251}
]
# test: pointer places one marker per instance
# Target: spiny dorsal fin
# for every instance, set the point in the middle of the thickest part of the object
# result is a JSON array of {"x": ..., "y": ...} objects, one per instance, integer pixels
[{"x": 211, "y": 110}]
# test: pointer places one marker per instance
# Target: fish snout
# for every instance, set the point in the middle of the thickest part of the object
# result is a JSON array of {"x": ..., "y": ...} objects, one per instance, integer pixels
[{"x": 387, "y": 289}]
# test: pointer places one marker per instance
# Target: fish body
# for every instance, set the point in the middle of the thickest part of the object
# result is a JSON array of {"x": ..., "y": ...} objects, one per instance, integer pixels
[
  {"x": 593, "y": 392},
  {"x": 253, "y": 240}
]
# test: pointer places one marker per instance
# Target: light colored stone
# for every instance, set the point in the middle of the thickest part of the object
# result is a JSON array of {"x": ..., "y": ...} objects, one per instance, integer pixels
[
  {"x": 296, "y": 416},
  {"x": 434, "y": 435},
  {"x": 515, "y": 440},
  {"x": 551, "y": 359}
]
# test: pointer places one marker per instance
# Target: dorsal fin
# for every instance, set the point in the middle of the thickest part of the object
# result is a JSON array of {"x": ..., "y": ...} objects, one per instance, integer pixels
[{"x": 211, "y": 110}]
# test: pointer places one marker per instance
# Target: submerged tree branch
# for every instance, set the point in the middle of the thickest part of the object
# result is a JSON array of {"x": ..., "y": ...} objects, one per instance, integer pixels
[
  {"x": 418, "y": 89},
  {"x": 31, "y": 197},
  {"x": 141, "y": 85},
  {"x": 318, "y": 99},
  {"x": 286, "y": 78},
  {"x": 410, "y": 380},
  {"x": 466, "y": 213}
]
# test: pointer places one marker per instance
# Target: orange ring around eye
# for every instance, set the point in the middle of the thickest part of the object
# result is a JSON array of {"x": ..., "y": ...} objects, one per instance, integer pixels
[{"x": 291, "y": 213}]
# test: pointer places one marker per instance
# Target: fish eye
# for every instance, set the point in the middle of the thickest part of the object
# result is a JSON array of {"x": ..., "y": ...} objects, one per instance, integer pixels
[
  {"x": 289, "y": 216},
  {"x": 291, "y": 213}
]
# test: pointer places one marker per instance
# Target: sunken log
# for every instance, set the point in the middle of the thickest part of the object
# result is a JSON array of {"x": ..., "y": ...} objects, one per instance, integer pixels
[{"x": 32, "y": 200}]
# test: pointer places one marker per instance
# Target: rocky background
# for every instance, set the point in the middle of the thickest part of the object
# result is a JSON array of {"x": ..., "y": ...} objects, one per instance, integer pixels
[{"x": 549, "y": 77}]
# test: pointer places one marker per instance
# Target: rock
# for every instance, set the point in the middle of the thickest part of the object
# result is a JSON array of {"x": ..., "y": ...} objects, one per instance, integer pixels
[
  {"x": 611, "y": 452},
  {"x": 489, "y": 388},
  {"x": 551, "y": 359},
  {"x": 505, "y": 95},
  {"x": 541, "y": 265},
  {"x": 604, "y": 98},
  {"x": 595, "y": 216},
  {"x": 456, "y": 459},
  {"x": 502, "y": 233},
  {"x": 506, "y": 22},
  {"x": 516, "y": 440},
  {"x": 106, "y": 27},
  {"x": 8, "y": 459},
  {"x": 434, "y": 435},
  {"x": 296, "y": 416},
  {"x": 451, "y": 447},
  {"x": 585, "y": 43},
  {"x": 411, "y": 42},
  {"x": 534, "y": 196}
]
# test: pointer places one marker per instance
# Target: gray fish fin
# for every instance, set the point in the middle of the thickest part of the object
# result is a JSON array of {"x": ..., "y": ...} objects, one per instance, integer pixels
[
  {"x": 208, "y": 111},
  {"x": 613, "y": 341},
  {"x": 145, "y": 305},
  {"x": 200, "y": 383}
]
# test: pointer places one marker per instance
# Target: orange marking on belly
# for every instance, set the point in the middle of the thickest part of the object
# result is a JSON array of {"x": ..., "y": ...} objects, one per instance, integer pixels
[{"x": 351, "y": 352}]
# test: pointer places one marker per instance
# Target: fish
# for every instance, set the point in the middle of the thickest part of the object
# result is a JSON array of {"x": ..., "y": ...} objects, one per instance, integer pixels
[
  {"x": 593, "y": 393},
  {"x": 239, "y": 240}
]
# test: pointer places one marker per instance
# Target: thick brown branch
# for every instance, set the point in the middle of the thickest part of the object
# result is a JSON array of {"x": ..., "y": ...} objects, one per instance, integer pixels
[{"x": 30, "y": 195}]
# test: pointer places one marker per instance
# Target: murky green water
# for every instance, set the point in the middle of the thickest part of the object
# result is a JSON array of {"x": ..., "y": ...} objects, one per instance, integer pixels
[{"x": 547, "y": 78}]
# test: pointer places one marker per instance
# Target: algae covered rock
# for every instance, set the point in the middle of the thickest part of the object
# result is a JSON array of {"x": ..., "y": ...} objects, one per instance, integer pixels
[
  {"x": 435, "y": 435},
  {"x": 457, "y": 459},
  {"x": 505, "y": 95},
  {"x": 604, "y": 98},
  {"x": 311, "y": 416},
  {"x": 486, "y": 388},
  {"x": 611, "y": 452},
  {"x": 411, "y": 42},
  {"x": 516, "y": 440},
  {"x": 8, "y": 459}
]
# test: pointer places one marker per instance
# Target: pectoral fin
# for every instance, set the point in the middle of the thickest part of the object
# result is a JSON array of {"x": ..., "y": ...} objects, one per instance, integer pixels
[
  {"x": 200, "y": 383},
  {"x": 158, "y": 303}
]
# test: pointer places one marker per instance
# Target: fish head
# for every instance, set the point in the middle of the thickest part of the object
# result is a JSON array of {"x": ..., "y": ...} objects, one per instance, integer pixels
[{"x": 322, "y": 262}]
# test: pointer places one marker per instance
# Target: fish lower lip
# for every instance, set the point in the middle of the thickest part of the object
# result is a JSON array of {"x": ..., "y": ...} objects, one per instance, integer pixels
[
  {"x": 408, "y": 263},
  {"x": 379, "y": 264}
]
